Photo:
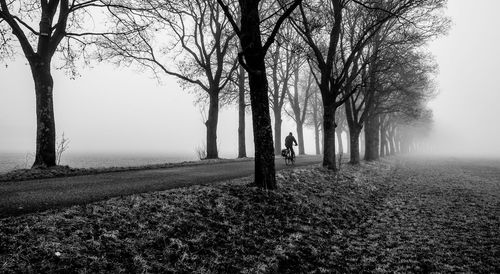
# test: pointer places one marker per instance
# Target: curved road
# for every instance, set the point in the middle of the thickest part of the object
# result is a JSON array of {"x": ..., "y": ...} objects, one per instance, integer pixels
[{"x": 18, "y": 198}]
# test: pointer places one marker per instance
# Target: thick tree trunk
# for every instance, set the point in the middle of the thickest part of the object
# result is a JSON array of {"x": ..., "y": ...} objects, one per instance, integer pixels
[
  {"x": 340, "y": 141},
  {"x": 242, "y": 151},
  {"x": 372, "y": 131},
  {"x": 354, "y": 132},
  {"x": 329, "y": 160},
  {"x": 46, "y": 130},
  {"x": 211, "y": 124},
  {"x": 277, "y": 131},
  {"x": 251, "y": 43},
  {"x": 354, "y": 144},
  {"x": 300, "y": 137},
  {"x": 263, "y": 135}
]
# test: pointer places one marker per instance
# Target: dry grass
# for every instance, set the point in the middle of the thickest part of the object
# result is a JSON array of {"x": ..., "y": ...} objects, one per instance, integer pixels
[
  {"x": 317, "y": 222},
  {"x": 24, "y": 174}
]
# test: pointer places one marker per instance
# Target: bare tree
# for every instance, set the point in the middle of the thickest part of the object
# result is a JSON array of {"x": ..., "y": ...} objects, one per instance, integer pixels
[
  {"x": 341, "y": 123},
  {"x": 412, "y": 128},
  {"x": 280, "y": 64},
  {"x": 202, "y": 44},
  {"x": 252, "y": 58},
  {"x": 320, "y": 24},
  {"x": 299, "y": 99},
  {"x": 61, "y": 147},
  {"x": 42, "y": 28},
  {"x": 403, "y": 84},
  {"x": 314, "y": 116}
]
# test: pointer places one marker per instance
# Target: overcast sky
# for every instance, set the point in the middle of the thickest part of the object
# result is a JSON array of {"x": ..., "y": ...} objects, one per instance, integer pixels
[{"x": 111, "y": 109}]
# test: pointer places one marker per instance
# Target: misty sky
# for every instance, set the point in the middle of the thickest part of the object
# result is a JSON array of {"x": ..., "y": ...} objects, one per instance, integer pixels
[
  {"x": 110, "y": 109},
  {"x": 467, "y": 109}
]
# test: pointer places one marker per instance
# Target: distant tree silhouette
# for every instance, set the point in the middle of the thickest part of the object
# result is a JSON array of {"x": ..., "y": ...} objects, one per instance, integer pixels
[
  {"x": 341, "y": 127},
  {"x": 202, "y": 42},
  {"x": 401, "y": 85},
  {"x": 314, "y": 117},
  {"x": 299, "y": 98},
  {"x": 279, "y": 62},
  {"x": 321, "y": 24}
]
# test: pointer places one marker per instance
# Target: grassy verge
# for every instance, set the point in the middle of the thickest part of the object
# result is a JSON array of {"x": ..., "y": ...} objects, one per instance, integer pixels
[
  {"x": 66, "y": 171},
  {"x": 230, "y": 227}
]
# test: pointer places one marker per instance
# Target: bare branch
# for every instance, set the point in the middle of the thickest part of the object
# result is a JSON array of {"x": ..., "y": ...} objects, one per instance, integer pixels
[{"x": 278, "y": 24}]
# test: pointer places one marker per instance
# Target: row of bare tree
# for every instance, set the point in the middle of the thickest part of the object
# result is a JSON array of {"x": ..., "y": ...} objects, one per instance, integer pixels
[{"x": 339, "y": 65}]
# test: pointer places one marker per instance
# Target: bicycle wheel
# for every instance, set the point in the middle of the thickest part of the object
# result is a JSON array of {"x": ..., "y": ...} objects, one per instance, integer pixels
[{"x": 287, "y": 160}]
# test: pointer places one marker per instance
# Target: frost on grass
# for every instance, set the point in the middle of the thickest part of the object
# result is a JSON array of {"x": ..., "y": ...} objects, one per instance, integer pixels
[
  {"x": 231, "y": 227},
  {"x": 67, "y": 171},
  {"x": 372, "y": 218}
]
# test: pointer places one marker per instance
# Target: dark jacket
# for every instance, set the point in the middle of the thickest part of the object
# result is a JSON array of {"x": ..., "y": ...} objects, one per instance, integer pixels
[{"x": 289, "y": 140}]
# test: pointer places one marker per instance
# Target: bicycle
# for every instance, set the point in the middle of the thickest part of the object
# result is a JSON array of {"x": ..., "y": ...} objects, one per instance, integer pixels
[{"x": 289, "y": 157}]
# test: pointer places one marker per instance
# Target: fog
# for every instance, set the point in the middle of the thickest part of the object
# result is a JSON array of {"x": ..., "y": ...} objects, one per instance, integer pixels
[
  {"x": 116, "y": 110},
  {"x": 110, "y": 109},
  {"x": 467, "y": 109}
]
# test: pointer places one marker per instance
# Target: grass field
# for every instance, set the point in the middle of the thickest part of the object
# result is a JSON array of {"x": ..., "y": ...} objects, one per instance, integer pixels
[{"x": 397, "y": 215}]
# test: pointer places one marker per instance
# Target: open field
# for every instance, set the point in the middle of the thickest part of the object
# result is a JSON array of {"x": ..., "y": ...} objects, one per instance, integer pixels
[{"x": 397, "y": 215}]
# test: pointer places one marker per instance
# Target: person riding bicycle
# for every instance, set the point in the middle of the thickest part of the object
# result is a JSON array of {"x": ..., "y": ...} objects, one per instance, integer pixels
[{"x": 289, "y": 141}]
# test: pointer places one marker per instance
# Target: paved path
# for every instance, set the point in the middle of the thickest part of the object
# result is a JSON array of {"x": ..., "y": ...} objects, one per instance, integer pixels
[{"x": 36, "y": 195}]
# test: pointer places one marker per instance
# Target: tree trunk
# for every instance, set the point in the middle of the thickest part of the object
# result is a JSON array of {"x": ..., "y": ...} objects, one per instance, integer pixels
[
  {"x": 340, "y": 141},
  {"x": 348, "y": 151},
  {"x": 277, "y": 130},
  {"x": 316, "y": 138},
  {"x": 251, "y": 43},
  {"x": 300, "y": 137},
  {"x": 372, "y": 131},
  {"x": 242, "y": 151},
  {"x": 354, "y": 144},
  {"x": 211, "y": 124},
  {"x": 329, "y": 160},
  {"x": 362, "y": 143},
  {"x": 45, "y": 122},
  {"x": 354, "y": 132},
  {"x": 399, "y": 146},
  {"x": 294, "y": 102},
  {"x": 383, "y": 141},
  {"x": 392, "y": 146},
  {"x": 383, "y": 146},
  {"x": 316, "y": 124}
]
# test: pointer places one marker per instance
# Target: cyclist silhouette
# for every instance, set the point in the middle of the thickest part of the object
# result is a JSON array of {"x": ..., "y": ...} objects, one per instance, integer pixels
[{"x": 289, "y": 141}]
